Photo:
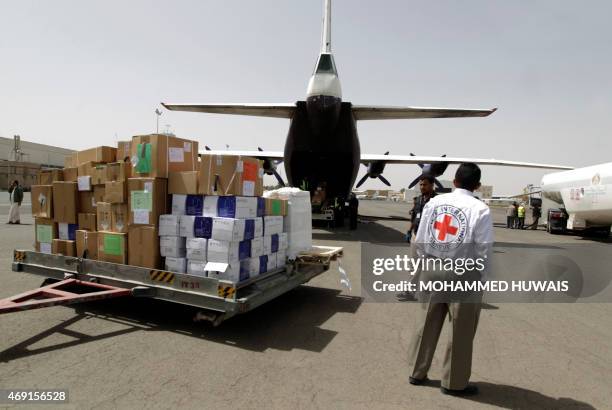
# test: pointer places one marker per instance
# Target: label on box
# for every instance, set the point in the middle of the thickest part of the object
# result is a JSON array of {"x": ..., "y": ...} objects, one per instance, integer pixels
[
  {"x": 45, "y": 247},
  {"x": 143, "y": 159},
  {"x": 44, "y": 233},
  {"x": 84, "y": 183},
  {"x": 142, "y": 201},
  {"x": 276, "y": 207},
  {"x": 219, "y": 160},
  {"x": 141, "y": 217},
  {"x": 248, "y": 188},
  {"x": 250, "y": 171},
  {"x": 42, "y": 199},
  {"x": 187, "y": 146},
  {"x": 239, "y": 166},
  {"x": 113, "y": 245},
  {"x": 260, "y": 173},
  {"x": 148, "y": 186},
  {"x": 176, "y": 154}
]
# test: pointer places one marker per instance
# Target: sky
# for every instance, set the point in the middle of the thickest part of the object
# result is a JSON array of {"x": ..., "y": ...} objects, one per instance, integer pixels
[{"x": 79, "y": 74}]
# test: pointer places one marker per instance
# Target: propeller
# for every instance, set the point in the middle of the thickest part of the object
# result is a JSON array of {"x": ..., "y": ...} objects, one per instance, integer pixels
[
  {"x": 269, "y": 167},
  {"x": 433, "y": 170},
  {"x": 375, "y": 170}
]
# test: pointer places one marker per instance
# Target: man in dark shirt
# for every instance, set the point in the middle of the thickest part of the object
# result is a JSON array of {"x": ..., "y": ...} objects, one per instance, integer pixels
[{"x": 426, "y": 185}]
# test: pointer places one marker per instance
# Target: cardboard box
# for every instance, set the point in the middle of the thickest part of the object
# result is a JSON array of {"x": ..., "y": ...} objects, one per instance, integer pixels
[
  {"x": 42, "y": 201},
  {"x": 156, "y": 155},
  {"x": 281, "y": 258},
  {"x": 179, "y": 203},
  {"x": 70, "y": 161},
  {"x": 67, "y": 232},
  {"x": 87, "y": 222},
  {"x": 196, "y": 268},
  {"x": 112, "y": 217},
  {"x": 87, "y": 202},
  {"x": 112, "y": 247},
  {"x": 63, "y": 247},
  {"x": 87, "y": 244},
  {"x": 231, "y": 229},
  {"x": 98, "y": 176},
  {"x": 71, "y": 174},
  {"x": 194, "y": 205},
  {"x": 257, "y": 247},
  {"x": 65, "y": 202},
  {"x": 45, "y": 232},
  {"x": 231, "y": 175},
  {"x": 178, "y": 265},
  {"x": 257, "y": 265},
  {"x": 172, "y": 246},
  {"x": 275, "y": 206},
  {"x": 118, "y": 171},
  {"x": 195, "y": 226},
  {"x": 143, "y": 247},
  {"x": 271, "y": 243},
  {"x": 87, "y": 169},
  {"x": 115, "y": 192},
  {"x": 147, "y": 200},
  {"x": 273, "y": 225},
  {"x": 98, "y": 154},
  {"x": 227, "y": 252},
  {"x": 196, "y": 249},
  {"x": 185, "y": 182},
  {"x": 233, "y": 272},
  {"x": 49, "y": 176},
  {"x": 169, "y": 225},
  {"x": 124, "y": 150},
  {"x": 84, "y": 183},
  {"x": 272, "y": 261},
  {"x": 99, "y": 191},
  {"x": 237, "y": 207}
]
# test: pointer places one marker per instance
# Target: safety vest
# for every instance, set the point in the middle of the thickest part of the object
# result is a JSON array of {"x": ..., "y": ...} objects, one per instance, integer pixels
[{"x": 521, "y": 211}]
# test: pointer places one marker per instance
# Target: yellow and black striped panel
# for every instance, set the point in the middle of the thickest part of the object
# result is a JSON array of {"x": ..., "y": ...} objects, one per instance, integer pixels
[
  {"x": 18, "y": 256},
  {"x": 226, "y": 291},
  {"x": 161, "y": 276}
]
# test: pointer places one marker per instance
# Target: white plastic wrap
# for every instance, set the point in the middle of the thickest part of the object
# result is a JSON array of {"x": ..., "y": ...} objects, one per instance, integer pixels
[{"x": 298, "y": 222}]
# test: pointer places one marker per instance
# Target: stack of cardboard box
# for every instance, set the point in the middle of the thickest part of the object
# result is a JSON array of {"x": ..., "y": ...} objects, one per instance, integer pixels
[
  {"x": 219, "y": 225},
  {"x": 113, "y": 205}
]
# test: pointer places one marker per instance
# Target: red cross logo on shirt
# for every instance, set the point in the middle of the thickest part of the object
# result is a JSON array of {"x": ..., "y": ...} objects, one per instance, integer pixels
[{"x": 445, "y": 227}]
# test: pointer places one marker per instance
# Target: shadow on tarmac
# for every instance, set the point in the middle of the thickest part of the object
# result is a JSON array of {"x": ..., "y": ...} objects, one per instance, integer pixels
[
  {"x": 513, "y": 397},
  {"x": 375, "y": 233},
  {"x": 291, "y": 321}
]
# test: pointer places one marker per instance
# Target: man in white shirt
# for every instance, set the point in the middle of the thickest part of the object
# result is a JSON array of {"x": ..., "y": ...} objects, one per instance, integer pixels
[{"x": 454, "y": 225}]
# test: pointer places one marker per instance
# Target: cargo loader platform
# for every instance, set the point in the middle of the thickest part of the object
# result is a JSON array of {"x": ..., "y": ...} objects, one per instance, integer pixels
[{"x": 82, "y": 280}]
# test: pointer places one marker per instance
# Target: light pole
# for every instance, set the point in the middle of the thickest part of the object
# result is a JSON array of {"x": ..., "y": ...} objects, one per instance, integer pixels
[{"x": 158, "y": 114}]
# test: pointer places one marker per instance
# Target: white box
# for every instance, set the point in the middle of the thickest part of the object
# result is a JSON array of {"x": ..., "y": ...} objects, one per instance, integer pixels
[
  {"x": 259, "y": 228},
  {"x": 237, "y": 206},
  {"x": 84, "y": 183},
  {"x": 257, "y": 247},
  {"x": 281, "y": 258},
  {"x": 172, "y": 246},
  {"x": 196, "y": 249},
  {"x": 196, "y": 268},
  {"x": 234, "y": 272},
  {"x": 272, "y": 224},
  {"x": 228, "y": 229},
  {"x": 178, "y": 265},
  {"x": 179, "y": 202},
  {"x": 186, "y": 226},
  {"x": 66, "y": 231},
  {"x": 256, "y": 266},
  {"x": 272, "y": 260},
  {"x": 283, "y": 241},
  {"x": 169, "y": 225},
  {"x": 210, "y": 206},
  {"x": 227, "y": 252}
]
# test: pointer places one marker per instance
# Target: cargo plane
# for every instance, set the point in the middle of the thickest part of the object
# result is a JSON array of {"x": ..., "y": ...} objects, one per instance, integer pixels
[{"x": 322, "y": 147}]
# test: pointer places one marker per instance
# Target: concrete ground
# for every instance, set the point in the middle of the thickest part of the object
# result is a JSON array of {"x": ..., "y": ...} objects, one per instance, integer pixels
[{"x": 319, "y": 346}]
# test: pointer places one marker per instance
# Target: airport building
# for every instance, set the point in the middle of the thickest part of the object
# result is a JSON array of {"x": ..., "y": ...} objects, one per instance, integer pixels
[{"x": 21, "y": 160}]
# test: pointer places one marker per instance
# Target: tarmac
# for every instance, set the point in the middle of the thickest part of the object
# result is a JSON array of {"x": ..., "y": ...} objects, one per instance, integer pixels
[{"x": 318, "y": 346}]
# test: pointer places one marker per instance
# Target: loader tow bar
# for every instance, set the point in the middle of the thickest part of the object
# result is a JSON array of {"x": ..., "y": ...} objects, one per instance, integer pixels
[{"x": 65, "y": 292}]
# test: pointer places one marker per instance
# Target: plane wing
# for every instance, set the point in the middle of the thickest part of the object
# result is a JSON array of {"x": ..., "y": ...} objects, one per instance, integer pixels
[
  {"x": 276, "y": 155},
  {"x": 258, "y": 110},
  {"x": 373, "y": 112},
  {"x": 405, "y": 159}
]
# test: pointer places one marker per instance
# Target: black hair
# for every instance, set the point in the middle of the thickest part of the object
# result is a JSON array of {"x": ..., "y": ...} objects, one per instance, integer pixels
[
  {"x": 16, "y": 182},
  {"x": 426, "y": 177},
  {"x": 468, "y": 176}
]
